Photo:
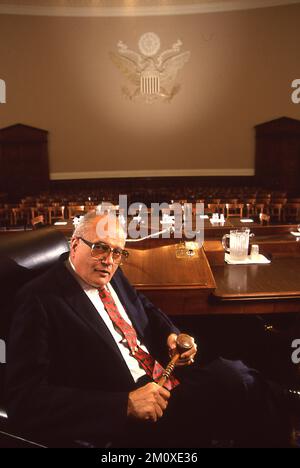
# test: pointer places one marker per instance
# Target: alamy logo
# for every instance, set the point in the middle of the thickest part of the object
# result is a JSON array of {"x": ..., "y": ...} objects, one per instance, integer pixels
[
  {"x": 296, "y": 94},
  {"x": 2, "y": 352},
  {"x": 296, "y": 353},
  {"x": 2, "y": 92},
  {"x": 177, "y": 219}
]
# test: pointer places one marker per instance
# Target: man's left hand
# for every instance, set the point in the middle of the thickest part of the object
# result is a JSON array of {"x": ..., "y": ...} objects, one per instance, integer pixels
[{"x": 187, "y": 358}]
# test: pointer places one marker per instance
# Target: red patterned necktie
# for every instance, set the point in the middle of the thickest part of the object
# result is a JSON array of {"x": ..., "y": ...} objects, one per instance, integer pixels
[{"x": 146, "y": 361}]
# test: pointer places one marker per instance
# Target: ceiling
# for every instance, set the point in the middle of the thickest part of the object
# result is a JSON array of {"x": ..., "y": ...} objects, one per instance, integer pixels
[{"x": 123, "y": 7}]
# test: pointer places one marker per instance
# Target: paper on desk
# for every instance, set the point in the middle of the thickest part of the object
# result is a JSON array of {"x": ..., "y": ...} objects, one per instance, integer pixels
[
  {"x": 295, "y": 233},
  {"x": 261, "y": 259},
  {"x": 217, "y": 222}
]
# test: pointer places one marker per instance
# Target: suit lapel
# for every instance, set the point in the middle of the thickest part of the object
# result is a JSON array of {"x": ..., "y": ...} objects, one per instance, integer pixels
[{"x": 83, "y": 307}]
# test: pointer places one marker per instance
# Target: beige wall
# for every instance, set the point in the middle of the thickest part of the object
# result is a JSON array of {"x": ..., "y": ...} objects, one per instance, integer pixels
[{"x": 59, "y": 77}]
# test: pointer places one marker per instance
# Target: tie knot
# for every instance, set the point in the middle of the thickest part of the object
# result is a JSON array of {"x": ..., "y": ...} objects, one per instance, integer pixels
[{"x": 103, "y": 293}]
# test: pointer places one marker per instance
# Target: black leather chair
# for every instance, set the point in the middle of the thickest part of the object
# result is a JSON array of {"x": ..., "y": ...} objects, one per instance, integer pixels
[{"x": 22, "y": 257}]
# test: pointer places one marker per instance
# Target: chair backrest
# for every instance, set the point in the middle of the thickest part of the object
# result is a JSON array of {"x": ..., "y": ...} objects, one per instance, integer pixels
[
  {"x": 259, "y": 208},
  {"x": 214, "y": 201},
  {"x": 231, "y": 201},
  {"x": 250, "y": 208},
  {"x": 75, "y": 210},
  {"x": 264, "y": 200},
  {"x": 281, "y": 200},
  {"x": 22, "y": 257},
  {"x": 292, "y": 212},
  {"x": 215, "y": 208},
  {"x": 234, "y": 210},
  {"x": 275, "y": 210}
]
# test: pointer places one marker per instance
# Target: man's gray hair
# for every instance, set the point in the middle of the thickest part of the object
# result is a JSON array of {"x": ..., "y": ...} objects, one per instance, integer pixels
[
  {"x": 88, "y": 219},
  {"x": 84, "y": 223}
]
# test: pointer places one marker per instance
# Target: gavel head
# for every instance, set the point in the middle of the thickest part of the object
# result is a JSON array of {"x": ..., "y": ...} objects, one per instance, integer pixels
[{"x": 184, "y": 343}]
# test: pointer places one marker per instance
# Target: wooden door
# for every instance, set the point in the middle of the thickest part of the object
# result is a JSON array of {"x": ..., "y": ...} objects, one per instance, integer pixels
[{"x": 24, "y": 166}]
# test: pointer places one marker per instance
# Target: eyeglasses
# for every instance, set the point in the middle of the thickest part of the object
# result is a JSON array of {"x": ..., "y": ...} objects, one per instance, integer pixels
[{"x": 100, "y": 249}]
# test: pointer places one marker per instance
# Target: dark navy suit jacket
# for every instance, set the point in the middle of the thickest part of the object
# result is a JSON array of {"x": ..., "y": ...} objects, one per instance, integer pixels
[{"x": 66, "y": 378}]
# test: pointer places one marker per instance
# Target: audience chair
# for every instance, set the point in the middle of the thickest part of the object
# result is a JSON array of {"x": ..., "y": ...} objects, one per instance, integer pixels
[
  {"x": 215, "y": 208},
  {"x": 38, "y": 222},
  {"x": 283, "y": 201},
  {"x": 21, "y": 215},
  {"x": 9, "y": 207},
  {"x": 265, "y": 201},
  {"x": 291, "y": 212},
  {"x": 231, "y": 201},
  {"x": 56, "y": 212},
  {"x": 4, "y": 217},
  {"x": 214, "y": 201},
  {"x": 249, "y": 203},
  {"x": 76, "y": 210},
  {"x": 40, "y": 209},
  {"x": 259, "y": 208},
  {"x": 234, "y": 210},
  {"x": 275, "y": 211}
]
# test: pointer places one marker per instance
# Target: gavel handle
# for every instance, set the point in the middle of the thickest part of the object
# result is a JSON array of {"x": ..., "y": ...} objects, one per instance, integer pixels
[{"x": 169, "y": 369}]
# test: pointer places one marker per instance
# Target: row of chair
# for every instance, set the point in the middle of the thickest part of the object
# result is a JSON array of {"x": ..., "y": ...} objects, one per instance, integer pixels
[
  {"x": 142, "y": 191},
  {"x": 23, "y": 215},
  {"x": 152, "y": 194},
  {"x": 290, "y": 212}
]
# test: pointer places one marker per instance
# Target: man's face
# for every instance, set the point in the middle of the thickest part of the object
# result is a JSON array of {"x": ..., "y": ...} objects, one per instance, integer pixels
[{"x": 96, "y": 272}]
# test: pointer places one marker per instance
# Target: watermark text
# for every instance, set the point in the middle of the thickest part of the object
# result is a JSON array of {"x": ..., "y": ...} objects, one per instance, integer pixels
[
  {"x": 296, "y": 353},
  {"x": 168, "y": 220},
  {"x": 296, "y": 94},
  {"x": 2, "y": 352},
  {"x": 2, "y": 92}
]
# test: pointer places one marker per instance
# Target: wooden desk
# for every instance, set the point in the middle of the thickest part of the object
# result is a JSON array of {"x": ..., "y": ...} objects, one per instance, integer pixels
[
  {"x": 179, "y": 286},
  {"x": 279, "y": 280},
  {"x": 197, "y": 287},
  {"x": 257, "y": 289}
]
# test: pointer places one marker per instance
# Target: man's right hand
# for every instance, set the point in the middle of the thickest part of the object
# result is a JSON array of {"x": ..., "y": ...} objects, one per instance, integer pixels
[{"x": 148, "y": 402}]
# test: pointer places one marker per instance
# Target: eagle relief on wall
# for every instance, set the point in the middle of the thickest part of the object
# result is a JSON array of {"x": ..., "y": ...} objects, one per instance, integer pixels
[{"x": 151, "y": 76}]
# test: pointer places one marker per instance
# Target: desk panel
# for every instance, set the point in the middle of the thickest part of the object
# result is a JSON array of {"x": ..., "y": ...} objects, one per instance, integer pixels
[{"x": 278, "y": 280}]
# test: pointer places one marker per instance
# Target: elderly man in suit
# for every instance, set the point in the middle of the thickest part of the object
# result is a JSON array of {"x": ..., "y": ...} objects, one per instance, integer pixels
[{"x": 86, "y": 351}]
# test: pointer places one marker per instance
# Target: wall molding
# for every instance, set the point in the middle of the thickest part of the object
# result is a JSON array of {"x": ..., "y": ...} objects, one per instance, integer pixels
[
  {"x": 152, "y": 173},
  {"x": 154, "y": 10}
]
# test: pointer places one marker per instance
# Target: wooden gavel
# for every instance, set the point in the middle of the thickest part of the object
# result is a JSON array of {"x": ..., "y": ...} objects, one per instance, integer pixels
[{"x": 183, "y": 343}]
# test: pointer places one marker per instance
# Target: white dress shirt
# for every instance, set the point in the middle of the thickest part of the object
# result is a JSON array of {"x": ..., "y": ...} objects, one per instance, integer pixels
[{"x": 93, "y": 295}]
